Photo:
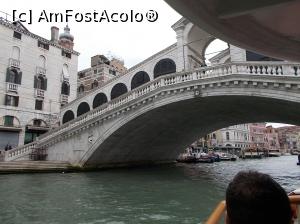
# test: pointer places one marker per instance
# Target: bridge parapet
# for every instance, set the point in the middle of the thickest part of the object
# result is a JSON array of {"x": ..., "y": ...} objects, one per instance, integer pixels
[{"x": 205, "y": 73}]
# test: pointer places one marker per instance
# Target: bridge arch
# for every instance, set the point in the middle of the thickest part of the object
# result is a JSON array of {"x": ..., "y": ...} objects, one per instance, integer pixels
[
  {"x": 83, "y": 108},
  {"x": 68, "y": 116},
  {"x": 163, "y": 67},
  {"x": 99, "y": 99},
  {"x": 139, "y": 79},
  {"x": 118, "y": 90}
]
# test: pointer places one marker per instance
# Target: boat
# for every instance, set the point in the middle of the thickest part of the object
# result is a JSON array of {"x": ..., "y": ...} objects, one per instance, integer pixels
[
  {"x": 186, "y": 158},
  {"x": 226, "y": 156},
  {"x": 274, "y": 153},
  {"x": 205, "y": 158}
]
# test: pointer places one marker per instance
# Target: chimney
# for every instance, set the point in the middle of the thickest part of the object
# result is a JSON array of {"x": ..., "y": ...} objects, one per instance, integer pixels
[{"x": 54, "y": 34}]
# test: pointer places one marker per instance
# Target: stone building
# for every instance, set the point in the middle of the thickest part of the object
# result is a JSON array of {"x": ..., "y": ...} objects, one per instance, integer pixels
[
  {"x": 102, "y": 69},
  {"x": 271, "y": 139},
  {"x": 37, "y": 76},
  {"x": 257, "y": 135},
  {"x": 289, "y": 138}
]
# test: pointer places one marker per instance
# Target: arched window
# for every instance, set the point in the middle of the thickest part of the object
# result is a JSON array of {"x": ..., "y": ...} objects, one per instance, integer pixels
[
  {"x": 65, "y": 88},
  {"x": 42, "y": 61},
  {"x": 94, "y": 84},
  {"x": 65, "y": 71},
  {"x": 214, "y": 136},
  {"x": 40, "y": 82},
  {"x": 68, "y": 116},
  {"x": 13, "y": 76},
  {"x": 164, "y": 67},
  {"x": 118, "y": 90},
  {"x": 81, "y": 88},
  {"x": 99, "y": 99},
  {"x": 139, "y": 79},
  {"x": 227, "y": 136},
  {"x": 15, "y": 53},
  {"x": 83, "y": 108}
]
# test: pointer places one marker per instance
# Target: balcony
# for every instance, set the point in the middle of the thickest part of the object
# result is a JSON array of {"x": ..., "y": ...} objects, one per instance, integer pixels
[
  {"x": 14, "y": 63},
  {"x": 64, "y": 99},
  {"x": 39, "y": 93},
  {"x": 40, "y": 71},
  {"x": 12, "y": 87}
]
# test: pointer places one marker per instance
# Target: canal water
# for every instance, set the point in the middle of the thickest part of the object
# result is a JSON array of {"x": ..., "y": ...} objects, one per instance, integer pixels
[{"x": 178, "y": 193}]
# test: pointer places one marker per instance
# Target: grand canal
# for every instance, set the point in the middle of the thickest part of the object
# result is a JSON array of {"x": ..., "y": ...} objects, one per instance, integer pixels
[{"x": 178, "y": 193}]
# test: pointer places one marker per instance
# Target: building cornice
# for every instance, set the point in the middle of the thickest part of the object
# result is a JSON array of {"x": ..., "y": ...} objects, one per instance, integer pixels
[{"x": 10, "y": 25}]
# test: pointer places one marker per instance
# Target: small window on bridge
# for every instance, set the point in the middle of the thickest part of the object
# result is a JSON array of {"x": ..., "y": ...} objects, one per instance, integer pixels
[
  {"x": 118, "y": 90},
  {"x": 139, "y": 79},
  {"x": 99, "y": 99},
  {"x": 68, "y": 116},
  {"x": 83, "y": 108}
]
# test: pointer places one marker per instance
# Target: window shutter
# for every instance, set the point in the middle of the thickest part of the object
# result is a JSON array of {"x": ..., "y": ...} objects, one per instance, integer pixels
[
  {"x": 19, "y": 80},
  {"x": 68, "y": 90},
  {"x": 45, "y": 84},
  {"x": 6, "y": 99},
  {"x": 17, "y": 101},
  {"x": 7, "y": 74},
  {"x": 35, "y": 82}
]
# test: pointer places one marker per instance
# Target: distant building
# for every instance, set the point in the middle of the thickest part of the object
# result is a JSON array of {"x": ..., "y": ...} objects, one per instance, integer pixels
[
  {"x": 271, "y": 139},
  {"x": 102, "y": 69},
  {"x": 289, "y": 138},
  {"x": 37, "y": 76},
  {"x": 237, "y": 136},
  {"x": 257, "y": 135}
]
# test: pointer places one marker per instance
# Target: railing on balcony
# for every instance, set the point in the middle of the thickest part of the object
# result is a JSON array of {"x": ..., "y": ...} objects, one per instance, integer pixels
[
  {"x": 40, "y": 71},
  {"x": 11, "y": 87},
  {"x": 14, "y": 63},
  {"x": 39, "y": 93},
  {"x": 64, "y": 99}
]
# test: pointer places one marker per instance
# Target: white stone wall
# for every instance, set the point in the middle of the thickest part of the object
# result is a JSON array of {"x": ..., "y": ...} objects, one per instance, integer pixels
[{"x": 29, "y": 60}]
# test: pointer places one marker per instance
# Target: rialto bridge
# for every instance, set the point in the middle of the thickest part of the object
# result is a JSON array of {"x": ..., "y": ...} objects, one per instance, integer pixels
[{"x": 166, "y": 102}]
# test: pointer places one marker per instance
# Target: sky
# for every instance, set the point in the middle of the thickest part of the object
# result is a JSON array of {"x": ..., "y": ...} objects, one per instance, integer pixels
[{"x": 130, "y": 41}]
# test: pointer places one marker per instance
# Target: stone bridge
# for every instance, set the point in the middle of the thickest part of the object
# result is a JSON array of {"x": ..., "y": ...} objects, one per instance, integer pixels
[{"x": 155, "y": 121}]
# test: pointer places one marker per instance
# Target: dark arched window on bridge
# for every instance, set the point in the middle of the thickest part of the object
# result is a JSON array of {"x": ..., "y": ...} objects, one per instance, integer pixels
[
  {"x": 65, "y": 88},
  {"x": 164, "y": 67},
  {"x": 83, "y": 108},
  {"x": 139, "y": 79},
  {"x": 81, "y": 89},
  {"x": 68, "y": 116},
  {"x": 118, "y": 90},
  {"x": 99, "y": 99},
  {"x": 94, "y": 84}
]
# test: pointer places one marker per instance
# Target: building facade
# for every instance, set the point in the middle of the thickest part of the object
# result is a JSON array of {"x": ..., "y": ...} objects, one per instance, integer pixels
[
  {"x": 257, "y": 136},
  {"x": 102, "y": 69},
  {"x": 37, "y": 76}
]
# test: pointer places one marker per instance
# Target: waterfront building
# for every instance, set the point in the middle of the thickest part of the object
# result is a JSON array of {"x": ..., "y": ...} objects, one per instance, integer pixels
[
  {"x": 289, "y": 138},
  {"x": 257, "y": 135},
  {"x": 102, "y": 69},
  {"x": 271, "y": 139},
  {"x": 37, "y": 76},
  {"x": 236, "y": 136}
]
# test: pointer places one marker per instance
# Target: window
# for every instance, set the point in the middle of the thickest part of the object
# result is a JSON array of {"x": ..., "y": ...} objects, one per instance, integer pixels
[
  {"x": 13, "y": 76},
  {"x": 227, "y": 136},
  {"x": 66, "y": 54},
  {"x": 65, "y": 88},
  {"x": 40, "y": 82},
  {"x": 37, "y": 122},
  {"x": 11, "y": 100},
  {"x": 8, "y": 121},
  {"x": 81, "y": 89},
  {"x": 112, "y": 72},
  {"x": 39, "y": 105},
  {"x": 95, "y": 71},
  {"x": 81, "y": 75},
  {"x": 43, "y": 45},
  {"x": 17, "y": 35}
]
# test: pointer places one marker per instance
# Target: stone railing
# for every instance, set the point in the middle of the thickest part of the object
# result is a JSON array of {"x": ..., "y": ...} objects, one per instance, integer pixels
[
  {"x": 11, "y": 87},
  {"x": 40, "y": 71},
  {"x": 14, "y": 63},
  {"x": 249, "y": 68},
  {"x": 20, "y": 151}
]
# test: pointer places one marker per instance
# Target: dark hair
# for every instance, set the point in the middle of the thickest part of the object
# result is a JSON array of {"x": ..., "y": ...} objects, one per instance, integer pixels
[{"x": 255, "y": 198}]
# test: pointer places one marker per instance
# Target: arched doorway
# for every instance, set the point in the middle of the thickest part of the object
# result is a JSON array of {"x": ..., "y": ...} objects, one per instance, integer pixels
[
  {"x": 139, "y": 79},
  {"x": 99, "y": 99},
  {"x": 83, "y": 108},
  {"x": 164, "y": 67},
  {"x": 68, "y": 116},
  {"x": 118, "y": 90}
]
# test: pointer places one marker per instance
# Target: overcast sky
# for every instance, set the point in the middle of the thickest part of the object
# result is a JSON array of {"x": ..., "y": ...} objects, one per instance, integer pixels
[{"x": 133, "y": 42}]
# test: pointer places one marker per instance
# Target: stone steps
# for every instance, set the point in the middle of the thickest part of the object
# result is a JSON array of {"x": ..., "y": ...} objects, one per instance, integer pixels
[{"x": 34, "y": 166}]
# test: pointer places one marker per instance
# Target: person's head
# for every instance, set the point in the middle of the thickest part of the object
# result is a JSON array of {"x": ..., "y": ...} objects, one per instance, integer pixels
[{"x": 256, "y": 198}]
